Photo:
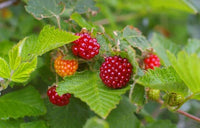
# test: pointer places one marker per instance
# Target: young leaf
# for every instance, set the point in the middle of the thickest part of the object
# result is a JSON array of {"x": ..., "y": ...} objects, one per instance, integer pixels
[
  {"x": 123, "y": 116},
  {"x": 188, "y": 68},
  {"x": 89, "y": 88},
  {"x": 81, "y": 21},
  {"x": 4, "y": 69},
  {"x": 74, "y": 115},
  {"x": 138, "y": 95},
  {"x": 95, "y": 122},
  {"x": 23, "y": 71},
  {"x": 51, "y": 38},
  {"x": 165, "y": 79},
  {"x": 135, "y": 39},
  {"x": 35, "y": 124},
  {"x": 10, "y": 123},
  {"x": 14, "y": 57},
  {"x": 193, "y": 46},
  {"x": 161, "y": 44},
  {"x": 45, "y": 8},
  {"x": 24, "y": 102}
]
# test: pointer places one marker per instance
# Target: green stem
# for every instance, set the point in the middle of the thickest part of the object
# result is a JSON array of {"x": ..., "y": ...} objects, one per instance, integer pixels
[{"x": 131, "y": 90}]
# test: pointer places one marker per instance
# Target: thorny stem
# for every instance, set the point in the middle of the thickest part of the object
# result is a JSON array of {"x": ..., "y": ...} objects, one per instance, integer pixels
[{"x": 183, "y": 113}]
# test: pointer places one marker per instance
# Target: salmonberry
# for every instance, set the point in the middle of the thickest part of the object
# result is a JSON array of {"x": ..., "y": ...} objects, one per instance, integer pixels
[
  {"x": 54, "y": 98},
  {"x": 115, "y": 72},
  {"x": 86, "y": 46},
  {"x": 65, "y": 67},
  {"x": 153, "y": 94},
  {"x": 151, "y": 61},
  {"x": 174, "y": 99}
]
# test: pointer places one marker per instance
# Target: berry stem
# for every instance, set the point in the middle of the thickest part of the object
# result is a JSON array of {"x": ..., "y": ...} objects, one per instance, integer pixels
[
  {"x": 132, "y": 87},
  {"x": 183, "y": 113}
]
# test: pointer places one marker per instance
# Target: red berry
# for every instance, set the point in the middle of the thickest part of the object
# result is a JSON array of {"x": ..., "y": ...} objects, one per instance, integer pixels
[
  {"x": 54, "y": 98},
  {"x": 65, "y": 67},
  {"x": 86, "y": 46},
  {"x": 151, "y": 62},
  {"x": 115, "y": 72}
]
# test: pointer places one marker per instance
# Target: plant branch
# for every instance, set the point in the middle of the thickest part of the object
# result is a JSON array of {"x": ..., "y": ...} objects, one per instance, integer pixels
[
  {"x": 183, "y": 113},
  {"x": 131, "y": 90},
  {"x": 58, "y": 21}
]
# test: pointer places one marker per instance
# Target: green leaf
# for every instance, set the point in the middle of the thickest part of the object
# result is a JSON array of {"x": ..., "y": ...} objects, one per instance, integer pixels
[
  {"x": 95, "y": 122},
  {"x": 5, "y": 47},
  {"x": 165, "y": 79},
  {"x": 24, "y": 102},
  {"x": 161, "y": 44},
  {"x": 14, "y": 57},
  {"x": 89, "y": 88},
  {"x": 4, "y": 69},
  {"x": 81, "y": 21},
  {"x": 23, "y": 72},
  {"x": 104, "y": 43},
  {"x": 45, "y": 8},
  {"x": 10, "y": 123},
  {"x": 135, "y": 38},
  {"x": 74, "y": 115},
  {"x": 82, "y": 6},
  {"x": 51, "y": 38},
  {"x": 138, "y": 96},
  {"x": 161, "y": 124},
  {"x": 132, "y": 58},
  {"x": 188, "y": 68},
  {"x": 35, "y": 124},
  {"x": 123, "y": 116},
  {"x": 193, "y": 46}
]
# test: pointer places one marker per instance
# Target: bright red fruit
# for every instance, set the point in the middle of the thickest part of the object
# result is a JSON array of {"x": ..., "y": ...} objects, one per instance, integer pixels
[
  {"x": 151, "y": 62},
  {"x": 86, "y": 46},
  {"x": 65, "y": 67},
  {"x": 115, "y": 72},
  {"x": 54, "y": 98}
]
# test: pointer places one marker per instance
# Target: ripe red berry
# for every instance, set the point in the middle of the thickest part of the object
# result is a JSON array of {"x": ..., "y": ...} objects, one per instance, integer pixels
[
  {"x": 54, "y": 98},
  {"x": 151, "y": 62},
  {"x": 65, "y": 67},
  {"x": 86, "y": 46},
  {"x": 115, "y": 72}
]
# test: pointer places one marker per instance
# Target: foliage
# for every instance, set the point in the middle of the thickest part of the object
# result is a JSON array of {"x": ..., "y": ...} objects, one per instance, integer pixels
[{"x": 44, "y": 29}]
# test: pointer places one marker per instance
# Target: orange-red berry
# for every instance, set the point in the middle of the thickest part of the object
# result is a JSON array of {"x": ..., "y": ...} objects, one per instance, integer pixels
[{"x": 65, "y": 67}]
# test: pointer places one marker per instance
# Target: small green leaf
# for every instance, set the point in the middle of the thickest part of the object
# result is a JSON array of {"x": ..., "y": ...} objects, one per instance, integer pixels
[
  {"x": 193, "y": 46},
  {"x": 165, "y": 79},
  {"x": 24, "y": 102},
  {"x": 135, "y": 38},
  {"x": 4, "y": 69},
  {"x": 161, "y": 44},
  {"x": 132, "y": 58},
  {"x": 14, "y": 57},
  {"x": 51, "y": 38},
  {"x": 10, "y": 123},
  {"x": 123, "y": 116},
  {"x": 138, "y": 96},
  {"x": 74, "y": 115},
  {"x": 188, "y": 68},
  {"x": 95, "y": 122},
  {"x": 161, "y": 124},
  {"x": 45, "y": 8},
  {"x": 104, "y": 43},
  {"x": 89, "y": 88},
  {"x": 81, "y": 21},
  {"x": 22, "y": 73},
  {"x": 35, "y": 124}
]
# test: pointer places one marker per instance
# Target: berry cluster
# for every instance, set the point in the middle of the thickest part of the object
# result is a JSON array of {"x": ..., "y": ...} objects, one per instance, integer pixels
[
  {"x": 86, "y": 46},
  {"x": 56, "y": 99},
  {"x": 115, "y": 72},
  {"x": 151, "y": 62},
  {"x": 65, "y": 67}
]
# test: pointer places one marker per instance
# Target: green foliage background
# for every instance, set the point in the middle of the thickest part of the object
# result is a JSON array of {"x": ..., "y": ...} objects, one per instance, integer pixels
[{"x": 27, "y": 39}]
